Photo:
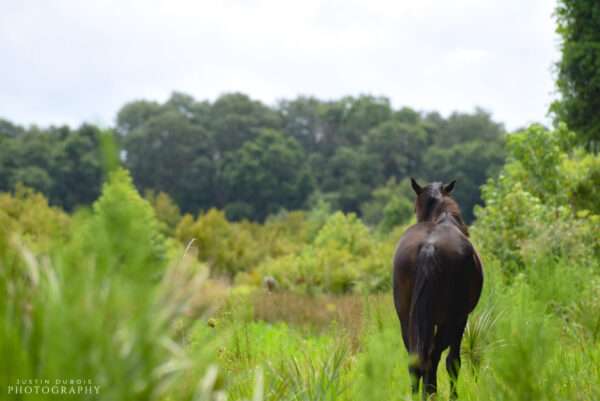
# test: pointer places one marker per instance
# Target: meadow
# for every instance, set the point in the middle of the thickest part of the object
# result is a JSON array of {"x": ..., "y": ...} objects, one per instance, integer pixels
[{"x": 147, "y": 304}]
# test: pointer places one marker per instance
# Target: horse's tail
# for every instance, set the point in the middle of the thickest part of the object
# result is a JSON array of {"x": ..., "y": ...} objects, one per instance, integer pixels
[{"x": 421, "y": 319}]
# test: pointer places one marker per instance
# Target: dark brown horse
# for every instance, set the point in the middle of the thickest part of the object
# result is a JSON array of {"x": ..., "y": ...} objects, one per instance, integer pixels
[{"x": 437, "y": 282}]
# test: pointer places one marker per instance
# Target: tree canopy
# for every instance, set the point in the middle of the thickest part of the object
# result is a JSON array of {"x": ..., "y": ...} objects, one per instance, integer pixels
[
  {"x": 578, "y": 71},
  {"x": 252, "y": 160}
]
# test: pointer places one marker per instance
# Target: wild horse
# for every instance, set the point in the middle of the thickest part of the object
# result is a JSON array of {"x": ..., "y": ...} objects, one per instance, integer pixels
[{"x": 437, "y": 282}]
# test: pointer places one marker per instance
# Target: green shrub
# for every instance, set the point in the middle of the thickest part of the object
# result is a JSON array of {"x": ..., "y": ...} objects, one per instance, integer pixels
[
  {"x": 166, "y": 210},
  {"x": 287, "y": 232},
  {"x": 123, "y": 233},
  {"x": 227, "y": 247},
  {"x": 582, "y": 173},
  {"x": 543, "y": 202},
  {"x": 391, "y": 205},
  {"x": 343, "y": 257},
  {"x": 27, "y": 214},
  {"x": 519, "y": 367},
  {"x": 101, "y": 306}
]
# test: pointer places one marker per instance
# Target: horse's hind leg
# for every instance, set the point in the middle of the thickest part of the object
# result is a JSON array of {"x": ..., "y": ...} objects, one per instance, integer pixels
[
  {"x": 453, "y": 358},
  {"x": 430, "y": 376},
  {"x": 415, "y": 376}
]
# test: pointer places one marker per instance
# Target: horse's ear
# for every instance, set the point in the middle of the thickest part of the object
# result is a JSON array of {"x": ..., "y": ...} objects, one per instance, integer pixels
[
  {"x": 449, "y": 187},
  {"x": 415, "y": 186}
]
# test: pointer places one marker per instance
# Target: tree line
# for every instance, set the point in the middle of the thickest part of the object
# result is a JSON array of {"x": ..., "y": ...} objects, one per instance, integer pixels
[{"x": 253, "y": 160}]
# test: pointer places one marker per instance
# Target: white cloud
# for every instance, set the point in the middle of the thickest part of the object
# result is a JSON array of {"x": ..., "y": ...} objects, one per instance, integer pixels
[{"x": 69, "y": 61}]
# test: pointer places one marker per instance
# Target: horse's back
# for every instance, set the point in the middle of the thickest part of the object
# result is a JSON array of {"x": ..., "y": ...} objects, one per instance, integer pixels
[
  {"x": 450, "y": 246},
  {"x": 459, "y": 274}
]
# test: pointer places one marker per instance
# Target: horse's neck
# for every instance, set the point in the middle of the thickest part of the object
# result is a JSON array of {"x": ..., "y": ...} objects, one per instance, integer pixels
[{"x": 446, "y": 215}]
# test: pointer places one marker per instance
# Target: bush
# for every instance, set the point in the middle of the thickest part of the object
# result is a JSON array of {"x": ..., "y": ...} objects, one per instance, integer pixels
[
  {"x": 343, "y": 257},
  {"x": 227, "y": 247},
  {"x": 166, "y": 210},
  {"x": 542, "y": 203},
  {"x": 582, "y": 174},
  {"x": 391, "y": 205},
  {"x": 91, "y": 309},
  {"x": 123, "y": 232},
  {"x": 520, "y": 366},
  {"x": 27, "y": 214}
]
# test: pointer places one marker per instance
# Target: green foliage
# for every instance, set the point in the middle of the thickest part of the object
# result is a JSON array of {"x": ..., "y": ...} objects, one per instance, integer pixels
[
  {"x": 63, "y": 321},
  {"x": 170, "y": 153},
  {"x": 26, "y": 214},
  {"x": 297, "y": 369},
  {"x": 399, "y": 147},
  {"x": 266, "y": 174},
  {"x": 252, "y": 160},
  {"x": 536, "y": 205},
  {"x": 311, "y": 253},
  {"x": 78, "y": 300},
  {"x": 69, "y": 283},
  {"x": 466, "y": 148},
  {"x": 288, "y": 232},
  {"x": 134, "y": 115},
  {"x": 309, "y": 381},
  {"x": 227, "y": 247},
  {"x": 235, "y": 249},
  {"x": 63, "y": 164},
  {"x": 343, "y": 257},
  {"x": 470, "y": 164},
  {"x": 110, "y": 152},
  {"x": 527, "y": 339},
  {"x": 391, "y": 205},
  {"x": 302, "y": 120},
  {"x": 359, "y": 115},
  {"x": 380, "y": 372},
  {"x": 121, "y": 216},
  {"x": 582, "y": 173},
  {"x": 348, "y": 177},
  {"x": 166, "y": 210},
  {"x": 578, "y": 79},
  {"x": 234, "y": 118},
  {"x": 466, "y": 127},
  {"x": 537, "y": 157},
  {"x": 530, "y": 340}
]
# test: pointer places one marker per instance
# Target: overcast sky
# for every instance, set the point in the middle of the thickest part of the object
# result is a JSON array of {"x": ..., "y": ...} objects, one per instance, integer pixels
[{"x": 71, "y": 61}]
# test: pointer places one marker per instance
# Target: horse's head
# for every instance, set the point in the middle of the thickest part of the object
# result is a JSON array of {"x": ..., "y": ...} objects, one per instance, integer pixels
[{"x": 430, "y": 198}]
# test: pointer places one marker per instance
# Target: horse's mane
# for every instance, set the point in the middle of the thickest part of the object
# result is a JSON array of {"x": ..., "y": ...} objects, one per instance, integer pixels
[
  {"x": 434, "y": 204},
  {"x": 448, "y": 210}
]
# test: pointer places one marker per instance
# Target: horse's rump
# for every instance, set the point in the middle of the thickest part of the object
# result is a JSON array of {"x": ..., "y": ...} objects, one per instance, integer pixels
[{"x": 438, "y": 264}]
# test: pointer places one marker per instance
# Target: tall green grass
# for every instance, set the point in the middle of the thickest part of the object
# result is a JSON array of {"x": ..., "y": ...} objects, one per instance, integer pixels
[
  {"x": 106, "y": 304},
  {"x": 530, "y": 338}
]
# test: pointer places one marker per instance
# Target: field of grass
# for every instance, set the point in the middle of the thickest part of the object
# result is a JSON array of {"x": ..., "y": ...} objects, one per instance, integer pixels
[
  {"x": 533, "y": 336},
  {"x": 536, "y": 338}
]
